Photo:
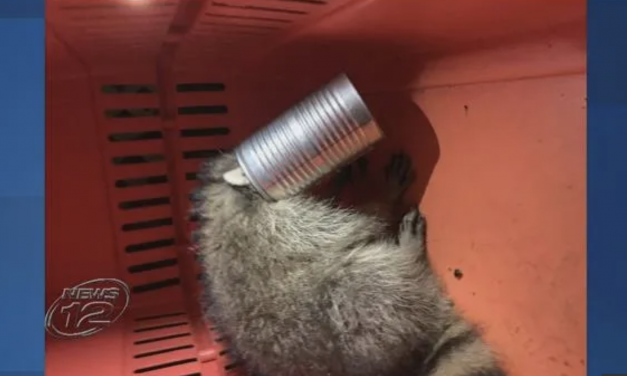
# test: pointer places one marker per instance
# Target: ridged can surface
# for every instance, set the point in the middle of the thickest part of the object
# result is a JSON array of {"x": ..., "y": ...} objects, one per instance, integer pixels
[{"x": 327, "y": 130}]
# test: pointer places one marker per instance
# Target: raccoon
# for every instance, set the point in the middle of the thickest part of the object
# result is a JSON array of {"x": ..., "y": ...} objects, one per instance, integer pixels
[{"x": 302, "y": 287}]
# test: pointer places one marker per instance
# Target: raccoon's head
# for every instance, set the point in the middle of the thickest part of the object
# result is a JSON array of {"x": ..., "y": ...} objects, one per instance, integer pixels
[
  {"x": 224, "y": 187},
  {"x": 214, "y": 168}
]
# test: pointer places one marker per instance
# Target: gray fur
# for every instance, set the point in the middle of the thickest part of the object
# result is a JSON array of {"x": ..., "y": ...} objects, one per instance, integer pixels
[{"x": 303, "y": 288}]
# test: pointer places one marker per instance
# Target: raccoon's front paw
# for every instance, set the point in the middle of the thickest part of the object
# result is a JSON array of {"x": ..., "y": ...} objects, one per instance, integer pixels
[
  {"x": 399, "y": 175},
  {"x": 412, "y": 230}
]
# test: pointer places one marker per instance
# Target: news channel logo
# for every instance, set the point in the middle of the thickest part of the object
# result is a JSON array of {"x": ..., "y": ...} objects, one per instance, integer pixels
[{"x": 87, "y": 308}]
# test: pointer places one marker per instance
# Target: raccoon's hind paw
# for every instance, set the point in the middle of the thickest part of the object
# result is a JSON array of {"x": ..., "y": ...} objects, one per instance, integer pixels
[{"x": 412, "y": 230}]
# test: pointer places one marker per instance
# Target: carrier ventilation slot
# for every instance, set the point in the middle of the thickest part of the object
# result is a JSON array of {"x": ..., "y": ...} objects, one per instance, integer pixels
[
  {"x": 200, "y": 87},
  {"x": 144, "y": 203},
  {"x": 140, "y": 268},
  {"x": 162, "y": 243},
  {"x": 135, "y": 136},
  {"x": 203, "y": 110},
  {"x": 129, "y": 89},
  {"x": 163, "y": 338},
  {"x": 159, "y": 327},
  {"x": 125, "y": 113},
  {"x": 258, "y": 8},
  {"x": 143, "y": 225},
  {"x": 153, "y": 286},
  {"x": 205, "y": 132},
  {"x": 250, "y": 18},
  {"x": 163, "y": 351},
  {"x": 158, "y": 317},
  {"x": 137, "y": 182},
  {"x": 191, "y": 176},
  {"x": 219, "y": 337},
  {"x": 200, "y": 154},
  {"x": 240, "y": 26},
  {"x": 166, "y": 365},
  {"x": 232, "y": 366},
  {"x": 137, "y": 159}
]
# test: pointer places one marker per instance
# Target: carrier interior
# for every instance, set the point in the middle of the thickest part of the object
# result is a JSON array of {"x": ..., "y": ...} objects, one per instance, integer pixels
[{"x": 487, "y": 96}]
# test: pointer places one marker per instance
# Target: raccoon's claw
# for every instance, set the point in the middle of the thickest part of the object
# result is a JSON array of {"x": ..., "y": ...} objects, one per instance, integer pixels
[
  {"x": 399, "y": 174},
  {"x": 412, "y": 228},
  {"x": 413, "y": 222}
]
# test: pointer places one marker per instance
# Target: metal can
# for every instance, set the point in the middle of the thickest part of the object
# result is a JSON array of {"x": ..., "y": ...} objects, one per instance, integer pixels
[{"x": 327, "y": 130}]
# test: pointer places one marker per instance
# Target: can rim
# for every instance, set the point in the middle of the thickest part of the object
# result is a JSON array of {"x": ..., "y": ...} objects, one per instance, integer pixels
[
  {"x": 252, "y": 180},
  {"x": 342, "y": 80}
]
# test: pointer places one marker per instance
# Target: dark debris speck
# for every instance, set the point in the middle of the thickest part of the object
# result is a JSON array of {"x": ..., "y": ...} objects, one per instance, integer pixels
[{"x": 458, "y": 273}]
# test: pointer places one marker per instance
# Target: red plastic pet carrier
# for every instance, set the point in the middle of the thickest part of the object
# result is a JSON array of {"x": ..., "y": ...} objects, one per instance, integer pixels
[{"x": 488, "y": 97}]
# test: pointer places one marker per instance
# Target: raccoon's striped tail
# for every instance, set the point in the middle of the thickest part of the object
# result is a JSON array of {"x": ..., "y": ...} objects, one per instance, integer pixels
[{"x": 462, "y": 352}]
